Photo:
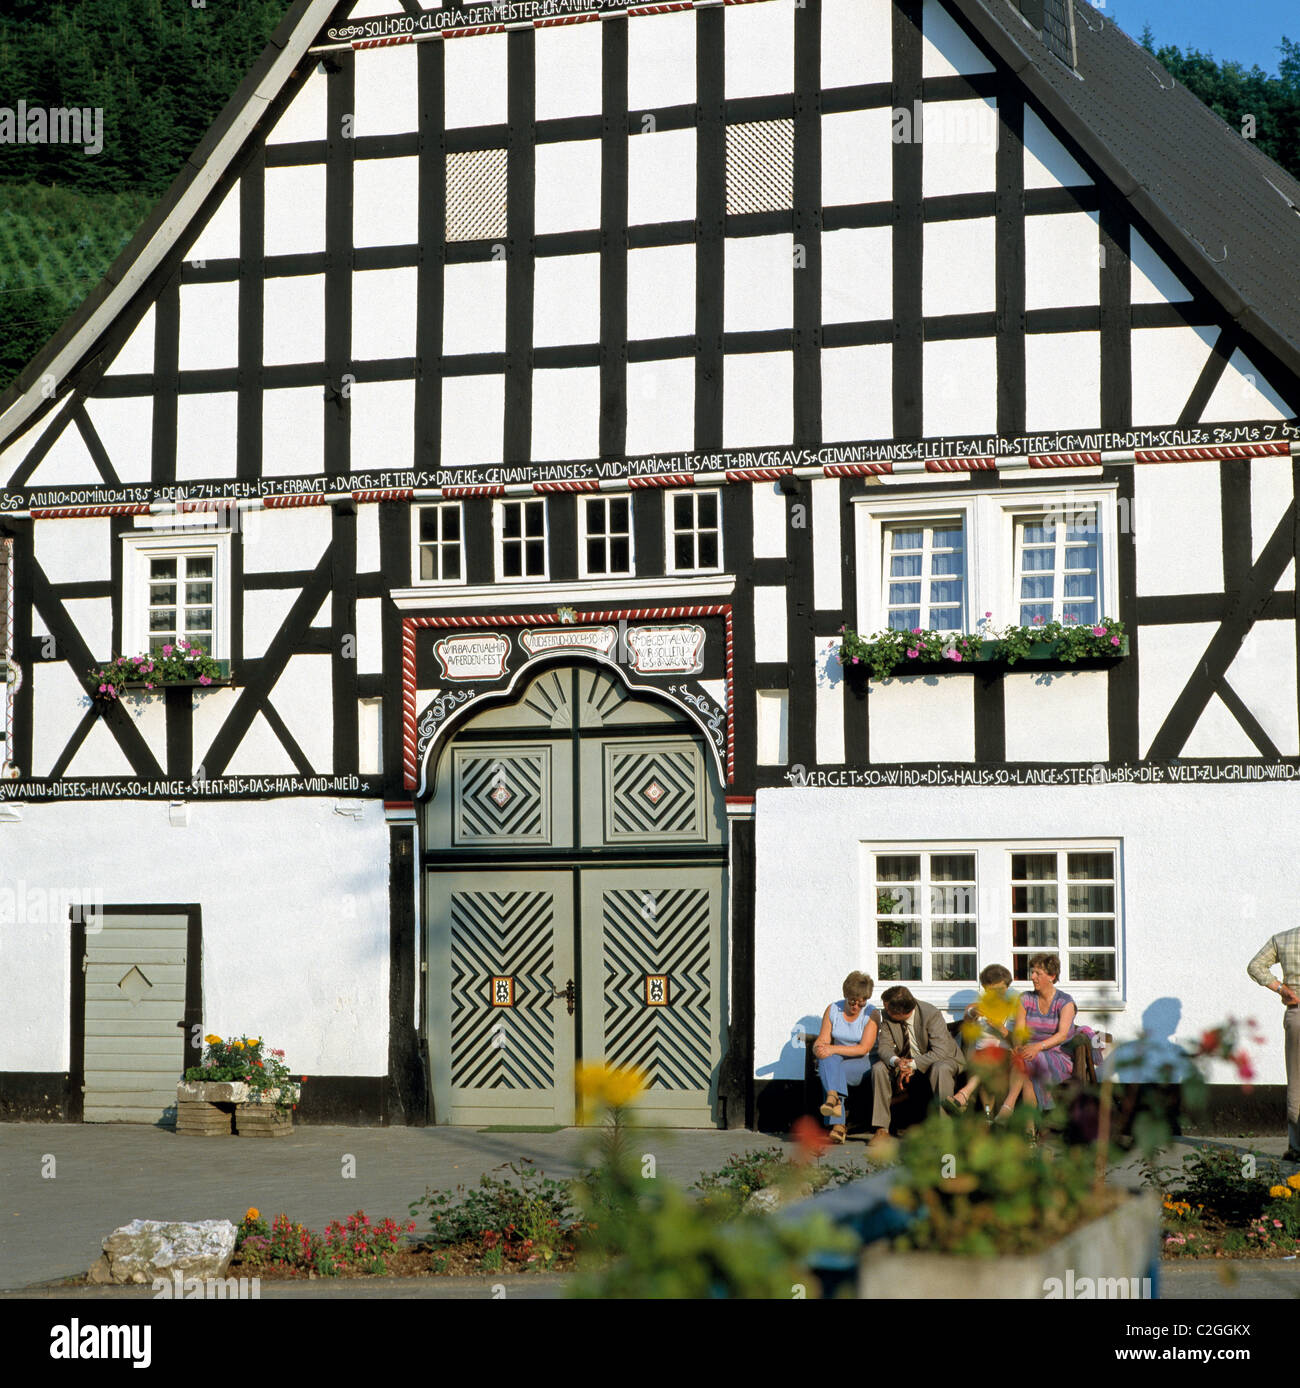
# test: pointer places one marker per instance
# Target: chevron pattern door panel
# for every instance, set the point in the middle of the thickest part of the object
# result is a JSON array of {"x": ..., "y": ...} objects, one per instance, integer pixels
[
  {"x": 654, "y": 792},
  {"x": 502, "y": 795}
]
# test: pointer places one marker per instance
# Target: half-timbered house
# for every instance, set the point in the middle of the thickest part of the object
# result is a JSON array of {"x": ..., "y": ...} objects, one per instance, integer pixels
[{"x": 520, "y": 398}]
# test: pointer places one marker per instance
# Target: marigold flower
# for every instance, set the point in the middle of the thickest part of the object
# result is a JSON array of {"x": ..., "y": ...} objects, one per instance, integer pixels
[
  {"x": 609, "y": 1086},
  {"x": 252, "y": 1212},
  {"x": 1294, "y": 1181},
  {"x": 214, "y": 1040},
  {"x": 1280, "y": 1192}
]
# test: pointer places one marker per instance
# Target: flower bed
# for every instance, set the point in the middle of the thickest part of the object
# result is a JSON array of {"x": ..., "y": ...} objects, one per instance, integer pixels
[{"x": 1223, "y": 1205}]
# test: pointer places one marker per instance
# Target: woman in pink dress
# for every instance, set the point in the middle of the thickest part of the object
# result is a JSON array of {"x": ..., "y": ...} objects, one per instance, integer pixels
[{"x": 1047, "y": 1015}]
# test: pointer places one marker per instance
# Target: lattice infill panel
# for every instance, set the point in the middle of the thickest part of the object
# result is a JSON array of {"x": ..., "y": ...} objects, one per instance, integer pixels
[
  {"x": 496, "y": 935},
  {"x": 654, "y": 793},
  {"x": 502, "y": 795},
  {"x": 760, "y": 167},
  {"x": 660, "y": 935},
  {"x": 476, "y": 195}
]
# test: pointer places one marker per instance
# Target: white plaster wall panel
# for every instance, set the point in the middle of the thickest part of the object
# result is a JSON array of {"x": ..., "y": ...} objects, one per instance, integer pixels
[
  {"x": 829, "y": 708},
  {"x": 301, "y": 697},
  {"x": 857, "y": 157},
  {"x": 321, "y": 976},
  {"x": 771, "y": 515},
  {"x": 661, "y": 177},
  {"x": 759, "y": 49},
  {"x": 368, "y": 539},
  {"x": 383, "y": 313},
  {"x": 74, "y": 551},
  {"x": 568, "y": 60},
  {"x": 857, "y": 275},
  {"x": 661, "y": 292},
  {"x": 566, "y": 300},
  {"x": 1179, "y": 528},
  {"x": 383, "y": 425},
  {"x": 307, "y": 113},
  {"x": 828, "y": 545},
  {"x": 1190, "y": 917},
  {"x": 1243, "y": 393},
  {"x": 148, "y": 711},
  {"x": 946, "y": 51},
  {"x": 295, "y": 209},
  {"x": 474, "y": 308},
  {"x": 293, "y": 431},
  {"x": 219, "y": 239},
  {"x": 1170, "y": 656},
  {"x": 959, "y": 386},
  {"x": 1057, "y": 717},
  {"x": 206, "y": 435},
  {"x": 1263, "y": 675},
  {"x": 757, "y": 399},
  {"x": 857, "y": 392},
  {"x": 68, "y": 462},
  {"x": 660, "y": 61},
  {"x": 34, "y": 926},
  {"x": 1062, "y": 260},
  {"x": 370, "y": 638},
  {"x": 660, "y": 406},
  {"x": 1218, "y": 734},
  {"x": 264, "y": 612},
  {"x": 568, "y": 186},
  {"x": 1151, "y": 281},
  {"x": 1271, "y": 493},
  {"x": 209, "y": 327},
  {"x": 1167, "y": 363},
  {"x": 958, "y": 267},
  {"x": 773, "y": 727},
  {"x": 260, "y": 753},
  {"x": 758, "y": 283},
  {"x": 125, "y": 428},
  {"x": 372, "y": 9},
  {"x": 93, "y": 618},
  {"x": 566, "y": 413},
  {"x": 473, "y": 419},
  {"x": 370, "y": 742},
  {"x": 476, "y": 85},
  {"x": 386, "y": 201},
  {"x": 292, "y": 538},
  {"x": 857, "y": 43},
  {"x": 136, "y": 356},
  {"x": 387, "y": 93},
  {"x": 60, "y": 703},
  {"x": 212, "y": 707},
  {"x": 15, "y": 453},
  {"x": 915, "y": 718},
  {"x": 960, "y": 147},
  {"x": 100, "y": 755},
  {"x": 770, "y": 625},
  {"x": 1048, "y": 164},
  {"x": 1062, "y": 381},
  {"x": 293, "y": 320}
]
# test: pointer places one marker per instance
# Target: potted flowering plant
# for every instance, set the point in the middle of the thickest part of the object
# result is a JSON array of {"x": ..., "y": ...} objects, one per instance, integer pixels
[
  {"x": 176, "y": 663},
  {"x": 241, "y": 1071}
]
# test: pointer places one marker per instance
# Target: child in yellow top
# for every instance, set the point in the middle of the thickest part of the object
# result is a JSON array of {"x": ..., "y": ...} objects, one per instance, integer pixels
[{"x": 991, "y": 1017}]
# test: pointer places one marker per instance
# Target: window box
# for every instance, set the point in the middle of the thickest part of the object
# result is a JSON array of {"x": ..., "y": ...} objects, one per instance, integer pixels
[
  {"x": 223, "y": 679},
  {"x": 889, "y": 653},
  {"x": 172, "y": 671}
]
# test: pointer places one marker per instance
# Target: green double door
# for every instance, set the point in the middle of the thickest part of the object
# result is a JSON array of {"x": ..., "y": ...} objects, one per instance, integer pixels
[{"x": 574, "y": 907}]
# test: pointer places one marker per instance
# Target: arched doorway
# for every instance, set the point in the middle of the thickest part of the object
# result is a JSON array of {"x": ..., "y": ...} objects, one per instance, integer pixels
[{"x": 574, "y": 871}]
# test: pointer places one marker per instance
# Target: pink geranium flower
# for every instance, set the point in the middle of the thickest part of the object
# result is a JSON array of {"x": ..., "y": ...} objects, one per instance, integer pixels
[
  {"x": 1099, "y": 631},
  {"x": 168, "y": 649},
  {"x": 1114, "y": 640},
  {"x": 912, "y": 654},
  {"x": 205, "y": 679}
]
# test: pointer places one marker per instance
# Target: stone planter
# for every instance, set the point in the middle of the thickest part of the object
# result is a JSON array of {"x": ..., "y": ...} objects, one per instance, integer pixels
[
  {"x": 1110, "y": 1258},
  {"x": 228, "y": 1109}
]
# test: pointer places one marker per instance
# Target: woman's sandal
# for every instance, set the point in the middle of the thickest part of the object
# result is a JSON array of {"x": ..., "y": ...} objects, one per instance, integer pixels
[
  {"x": 833, "y": 1107},
  {"x": 953, "y": 1105},
  {"x": 839, "y": 1132}
]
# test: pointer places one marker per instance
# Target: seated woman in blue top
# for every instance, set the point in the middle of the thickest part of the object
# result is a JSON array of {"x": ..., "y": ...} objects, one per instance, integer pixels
[{"x": 843, "y": 1048}]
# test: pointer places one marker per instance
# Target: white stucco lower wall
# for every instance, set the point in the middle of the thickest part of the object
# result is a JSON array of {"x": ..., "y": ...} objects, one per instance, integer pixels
[
  {"x": 1208, "y": 874},
  {"x": 294, "y": 899}
]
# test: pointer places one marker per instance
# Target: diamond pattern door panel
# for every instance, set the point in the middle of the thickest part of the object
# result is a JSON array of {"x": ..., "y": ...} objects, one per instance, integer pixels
[
  {"x": 503, "y": 795},
  {"x": 654, "y": 792}
]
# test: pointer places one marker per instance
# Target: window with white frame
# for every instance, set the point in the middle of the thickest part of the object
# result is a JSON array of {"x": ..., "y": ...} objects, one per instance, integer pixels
[
  {"x": 694, "y": 525},
  {"x": 605, "y": 541},
  {"x": 1028, "y": 556},
  {"x": 176, "y": 589},
  {"x": 521, "y": 537},
  {"x": 440, "y": 543},
  {"x": 940, "y": 913}
]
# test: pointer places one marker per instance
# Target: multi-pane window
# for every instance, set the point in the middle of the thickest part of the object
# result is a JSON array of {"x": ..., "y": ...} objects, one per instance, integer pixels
[
  {"x": 1058, "y": 570},
  {"x": 694, "y": 531},
  {"x": 1064, "y": 903},
  {"x": 606, "y": 536},
  {"x": 521, "y": 539},
  {"x": 925, "y": 575},
  {"x": 926, "y": 918},
  {"x": 441, "y": 543},
  {"x": 182, "y": 600}
]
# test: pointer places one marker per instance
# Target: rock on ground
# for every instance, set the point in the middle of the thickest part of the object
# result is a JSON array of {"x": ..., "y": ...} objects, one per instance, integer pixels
[{"x": 145, "y": 1249}]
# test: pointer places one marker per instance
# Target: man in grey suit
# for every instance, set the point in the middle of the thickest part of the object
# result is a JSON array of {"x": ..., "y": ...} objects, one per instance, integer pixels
[{"x": 917, "y": 1055}]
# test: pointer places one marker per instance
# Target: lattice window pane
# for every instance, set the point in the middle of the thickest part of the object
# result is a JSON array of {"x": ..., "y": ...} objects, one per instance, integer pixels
[
  {"x": 760, "y": 167},
  {"x": 476, "y": 195}
]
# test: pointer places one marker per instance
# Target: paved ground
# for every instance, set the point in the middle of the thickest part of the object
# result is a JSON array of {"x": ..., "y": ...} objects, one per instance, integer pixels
[{"x": 64, "y": 1187}]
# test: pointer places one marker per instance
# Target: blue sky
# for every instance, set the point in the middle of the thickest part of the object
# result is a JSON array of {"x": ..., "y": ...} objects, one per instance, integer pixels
[{"x": 1247, "y": 31}]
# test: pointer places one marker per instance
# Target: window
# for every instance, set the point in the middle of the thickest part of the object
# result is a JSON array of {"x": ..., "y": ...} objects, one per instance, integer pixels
[
  {"x": 694, "y": 531},
  {"x": 176, "y": 588},
  {"x": 521, "y": 539},
  {"x": 440, "y": 543},
  {"x": 1057, "y": 575},
  {"x": 940, "y": 913},
  {"x": 925, "y": 575},
  {"x": 605, "y": 545}
]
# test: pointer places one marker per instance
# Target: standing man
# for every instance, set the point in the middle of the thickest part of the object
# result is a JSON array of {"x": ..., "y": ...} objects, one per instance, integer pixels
[
  {"x": 917, "y": 1055},
  {"x": 1284, "y": 949}
]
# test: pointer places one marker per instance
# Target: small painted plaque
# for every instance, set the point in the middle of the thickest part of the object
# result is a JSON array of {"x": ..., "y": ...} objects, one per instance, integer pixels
[
  {"x": 567, "y": 638},
  {"x": 503, "y": 990},
  {"x": 478, "y": 657},
  {"x": 656, "y": 990},
  {"x": 667, "y": 650}
]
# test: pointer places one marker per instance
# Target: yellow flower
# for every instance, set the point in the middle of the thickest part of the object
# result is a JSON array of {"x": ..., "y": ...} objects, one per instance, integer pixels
[
  {"x": 239, "y": 1045},
  {"x": 1294, "y": 1181},
  {"x": 609, "y": 1086},
  {"x": 1281, "y": 1192},
  {"x": 252, "y": 1213},
  {"x": 213, "y": 1040}
]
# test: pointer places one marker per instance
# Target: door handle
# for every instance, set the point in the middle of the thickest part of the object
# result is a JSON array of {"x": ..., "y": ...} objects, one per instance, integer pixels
[{"x": 569, "y": 993}]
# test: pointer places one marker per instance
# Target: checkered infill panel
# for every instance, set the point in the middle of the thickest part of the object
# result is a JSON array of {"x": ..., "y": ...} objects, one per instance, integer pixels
[
  {"x": 476, "y": 195},
  {"x": 760, "y": 167}
]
